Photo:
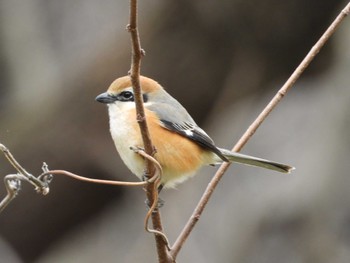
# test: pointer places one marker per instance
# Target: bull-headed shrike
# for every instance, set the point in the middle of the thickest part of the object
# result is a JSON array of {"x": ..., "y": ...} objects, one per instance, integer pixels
[{"x": 182, "y": 147}]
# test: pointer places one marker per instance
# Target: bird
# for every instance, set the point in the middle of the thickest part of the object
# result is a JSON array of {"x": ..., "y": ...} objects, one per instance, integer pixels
[{"x": 182, "y": 147}]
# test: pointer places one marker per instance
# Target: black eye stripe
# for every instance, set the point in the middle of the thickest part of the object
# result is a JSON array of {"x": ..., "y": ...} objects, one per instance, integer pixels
[
  {"x": 126, "y": 96},
  {"x": 129, "y": 96},
  {"x": 145, "y": 98}
]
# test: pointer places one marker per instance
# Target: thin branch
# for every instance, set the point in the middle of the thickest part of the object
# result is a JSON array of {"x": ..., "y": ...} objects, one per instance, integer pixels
[
  {"x": 41, "y": 183},
  {"x": 13, "y": 181},
  {"x": 92, "y": 180},
  {"x": 137, "y": 52},
  {"x": 253, "y": 127},
  {"x": 40, "y": 186},
  {"x": 13, "y": 185}
]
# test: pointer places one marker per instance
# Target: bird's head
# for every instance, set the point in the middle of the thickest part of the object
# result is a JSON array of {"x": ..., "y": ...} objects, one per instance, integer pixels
[{"x": 121, "y": 91}]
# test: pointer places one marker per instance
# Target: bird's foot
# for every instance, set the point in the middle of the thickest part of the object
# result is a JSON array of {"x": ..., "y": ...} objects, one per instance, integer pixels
[{"x": 160, "y": 203}]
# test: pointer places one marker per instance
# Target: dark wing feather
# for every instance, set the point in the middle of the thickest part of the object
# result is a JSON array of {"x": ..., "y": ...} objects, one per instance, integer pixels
[
  {"x": 194, "y": 133},
  {"x": 170, "y": 111}
]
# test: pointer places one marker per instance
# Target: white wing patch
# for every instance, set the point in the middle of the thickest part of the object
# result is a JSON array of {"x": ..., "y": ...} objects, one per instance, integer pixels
[{"x": 189, "y": 133}]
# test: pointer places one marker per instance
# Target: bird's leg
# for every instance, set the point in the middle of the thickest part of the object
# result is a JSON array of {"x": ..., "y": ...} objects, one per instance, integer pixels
[
  {"x": 160, "y": 202},
  {"x": 160, "y": 187}
]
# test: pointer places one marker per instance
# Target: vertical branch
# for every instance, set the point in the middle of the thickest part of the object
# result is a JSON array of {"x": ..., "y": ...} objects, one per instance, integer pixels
[
  {"x": 253, "y": 127},
  {"x": 137, "y": 53}
]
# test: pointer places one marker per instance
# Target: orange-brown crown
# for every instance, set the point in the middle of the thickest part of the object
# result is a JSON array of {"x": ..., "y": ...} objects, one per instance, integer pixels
[{"x": 147, "y": 85}]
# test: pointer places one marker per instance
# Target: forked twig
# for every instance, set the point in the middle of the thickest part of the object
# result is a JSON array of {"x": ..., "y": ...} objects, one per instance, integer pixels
[
  {"x": 13, "y": 181},
  {"x": 40, "y": 186},
  {"x": 253, "y": 127},
  {"x": 13, "y": 185}
]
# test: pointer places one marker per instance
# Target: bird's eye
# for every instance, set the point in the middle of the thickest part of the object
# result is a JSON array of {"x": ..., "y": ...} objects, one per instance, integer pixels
[{"x": 126, "y": 96}]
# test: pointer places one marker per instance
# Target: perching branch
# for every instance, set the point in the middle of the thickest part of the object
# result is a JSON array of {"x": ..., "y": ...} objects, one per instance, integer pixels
[
  {"x": 253, "y": 127},
  {"x": 150, "y": 169}
]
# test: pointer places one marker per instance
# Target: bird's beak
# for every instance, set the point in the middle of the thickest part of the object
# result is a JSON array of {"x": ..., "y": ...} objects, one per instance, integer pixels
[{"x": 105, "y": 98}]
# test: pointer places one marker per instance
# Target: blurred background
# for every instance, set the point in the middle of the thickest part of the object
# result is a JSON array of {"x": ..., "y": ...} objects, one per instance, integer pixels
[{"x": 223, "y": 60}]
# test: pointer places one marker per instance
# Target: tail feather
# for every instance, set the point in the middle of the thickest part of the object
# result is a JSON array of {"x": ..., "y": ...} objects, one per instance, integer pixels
[{"x": 254, "y": 161}]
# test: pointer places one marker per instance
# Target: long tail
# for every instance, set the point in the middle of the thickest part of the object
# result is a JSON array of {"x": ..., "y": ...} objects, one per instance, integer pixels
[{"x": 254, "y": 161}]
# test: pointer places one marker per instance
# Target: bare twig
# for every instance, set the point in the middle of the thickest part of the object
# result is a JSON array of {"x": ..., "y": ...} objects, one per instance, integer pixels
[
  {"x": 13, "y": 181},
  {"x": 41, "y": 183},
  {"x": 137, "y": 52},
  {"x": 92, "y": 180},
  {"x": 13, "y": 185},
  {"x": 40, "y": 186},
  {"x": 253, "y": 127}
]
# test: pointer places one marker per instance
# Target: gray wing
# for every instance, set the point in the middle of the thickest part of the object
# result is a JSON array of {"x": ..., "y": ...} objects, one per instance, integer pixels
[{"x": 169, "y": 117}]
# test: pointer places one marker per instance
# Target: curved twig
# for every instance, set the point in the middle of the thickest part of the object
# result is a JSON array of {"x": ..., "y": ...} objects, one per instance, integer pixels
[
  {"x": 13, "y": 181},
  {"x": 154, "y": 209},
  {"x": 13, "y": 185},
  {"x": 40, "y": 186},
  {"x": 156, "y": 179}
]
